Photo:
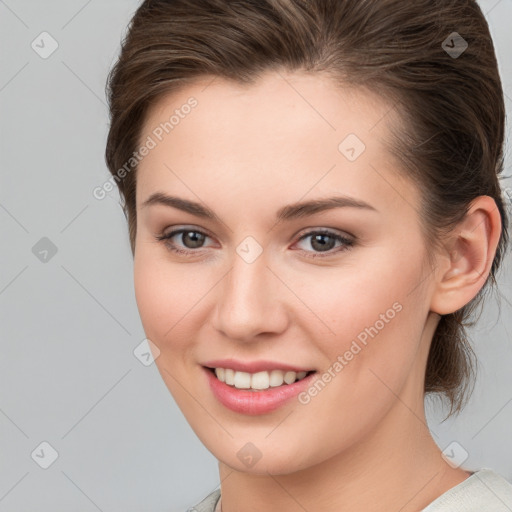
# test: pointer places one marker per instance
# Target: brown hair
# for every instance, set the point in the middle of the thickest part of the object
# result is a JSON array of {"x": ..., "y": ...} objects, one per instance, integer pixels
[{"x": 451, "y": 105}]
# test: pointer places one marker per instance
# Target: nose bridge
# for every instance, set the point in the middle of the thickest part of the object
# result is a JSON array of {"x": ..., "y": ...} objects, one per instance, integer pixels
[{"x": 247, "y": 305}]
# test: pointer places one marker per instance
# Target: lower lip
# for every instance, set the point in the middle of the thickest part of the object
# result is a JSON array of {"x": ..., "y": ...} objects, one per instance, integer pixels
[{"x": 255, "y": 402}]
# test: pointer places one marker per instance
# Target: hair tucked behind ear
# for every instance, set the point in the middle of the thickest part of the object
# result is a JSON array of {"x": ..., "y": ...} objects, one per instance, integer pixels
[{"x": 451, "y": 105}]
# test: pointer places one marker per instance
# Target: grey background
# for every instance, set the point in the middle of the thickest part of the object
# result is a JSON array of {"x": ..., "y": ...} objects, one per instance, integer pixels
[{"x": 69, "y": 325}]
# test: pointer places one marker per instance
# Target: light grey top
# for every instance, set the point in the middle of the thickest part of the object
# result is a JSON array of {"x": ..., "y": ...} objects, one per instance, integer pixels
[
  {"x": 484, "y": 490},
  {"x": 208, "y": 504}
]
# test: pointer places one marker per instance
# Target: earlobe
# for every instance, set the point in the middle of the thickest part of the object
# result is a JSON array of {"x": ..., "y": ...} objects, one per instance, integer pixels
[{"x": 465, "y": 268}]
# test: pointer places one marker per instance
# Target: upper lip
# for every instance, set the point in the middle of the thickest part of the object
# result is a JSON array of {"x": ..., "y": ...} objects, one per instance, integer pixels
[{"x": 253, "y": 366}]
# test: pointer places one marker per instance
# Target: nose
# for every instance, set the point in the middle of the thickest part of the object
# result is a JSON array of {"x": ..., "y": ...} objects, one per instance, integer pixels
[{"x": 250, "y": 301}]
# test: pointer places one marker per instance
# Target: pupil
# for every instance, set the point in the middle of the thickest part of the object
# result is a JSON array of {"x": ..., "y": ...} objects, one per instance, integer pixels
[
  {"x": 196, "y": 239},
  {"x": 321, "y": 240}
]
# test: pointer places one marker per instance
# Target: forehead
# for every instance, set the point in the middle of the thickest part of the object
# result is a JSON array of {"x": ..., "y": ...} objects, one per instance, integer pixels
[
  {"x": 287, "y": 131},
  {"x": 279, "y": 100}
]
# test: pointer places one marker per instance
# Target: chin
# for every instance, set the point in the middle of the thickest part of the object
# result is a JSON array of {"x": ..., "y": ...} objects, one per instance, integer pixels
[{"x": 247, "y": 458}]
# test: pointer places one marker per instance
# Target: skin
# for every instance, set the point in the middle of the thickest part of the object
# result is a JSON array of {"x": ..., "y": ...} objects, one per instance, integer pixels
[{"x": 362, "y": 443}]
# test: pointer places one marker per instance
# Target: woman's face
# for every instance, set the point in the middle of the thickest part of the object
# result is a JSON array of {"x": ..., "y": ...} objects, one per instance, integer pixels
[{"x": 260, "y": 286}]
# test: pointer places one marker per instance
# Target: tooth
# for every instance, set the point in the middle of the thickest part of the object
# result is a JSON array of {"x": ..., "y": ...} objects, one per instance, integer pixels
[
  {"x": 260, "y": 380},
  {"x": 289, "y": 377},
  {"x": 276, "y": 378},
  {"x": 229, "y": 376},
  {"x": 242, "y": 380}
]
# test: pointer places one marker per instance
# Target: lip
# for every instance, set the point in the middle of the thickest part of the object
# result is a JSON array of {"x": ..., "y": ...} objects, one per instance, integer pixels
[
  {"x": 255, "y": 402},
  {"x": 254, "y": 366}
]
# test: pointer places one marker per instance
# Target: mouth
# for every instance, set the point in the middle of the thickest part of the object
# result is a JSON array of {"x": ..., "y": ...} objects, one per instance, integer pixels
[
  {"x": 256, "y": 393},
  {"x": 258, "y": 381}
]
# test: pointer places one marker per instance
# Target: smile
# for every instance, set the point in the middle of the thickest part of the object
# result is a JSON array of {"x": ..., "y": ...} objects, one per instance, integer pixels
[{"x": 256, "y": 393}]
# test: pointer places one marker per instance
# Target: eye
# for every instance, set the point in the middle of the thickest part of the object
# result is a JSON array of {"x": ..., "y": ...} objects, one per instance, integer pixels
[
  {"x": 191, "y": 238},
  {"x": 324, "y": 241}
]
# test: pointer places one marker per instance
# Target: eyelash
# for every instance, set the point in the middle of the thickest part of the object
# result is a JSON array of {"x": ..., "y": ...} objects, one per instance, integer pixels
[{"x": 347, "y": 243}]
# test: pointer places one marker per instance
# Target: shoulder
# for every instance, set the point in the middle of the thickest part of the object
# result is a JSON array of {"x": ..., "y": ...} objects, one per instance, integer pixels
[
  {"x": 207, "y": 504},
  {"x": 483, "y": 490}
]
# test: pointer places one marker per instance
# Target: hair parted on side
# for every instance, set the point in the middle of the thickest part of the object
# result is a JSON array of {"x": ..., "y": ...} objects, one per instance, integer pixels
[{"x": 451, "y": 107}]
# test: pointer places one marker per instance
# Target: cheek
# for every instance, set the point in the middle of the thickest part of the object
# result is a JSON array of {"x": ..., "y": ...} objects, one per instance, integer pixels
[
  {"x": 374, "y": 320},
  {"x": 167, "y": 300},
  {"x": 166, "y": 294},
  {"x": 373, "y": 353},
  {"x": 367, "y": 291}
]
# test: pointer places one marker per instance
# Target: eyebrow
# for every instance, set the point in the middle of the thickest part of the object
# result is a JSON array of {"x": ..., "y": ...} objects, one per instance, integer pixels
[{"x": 288, "y": 212}]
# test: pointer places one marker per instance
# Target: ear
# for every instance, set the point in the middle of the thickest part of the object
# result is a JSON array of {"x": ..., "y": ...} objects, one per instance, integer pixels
[{"x": 465, "y": 265}]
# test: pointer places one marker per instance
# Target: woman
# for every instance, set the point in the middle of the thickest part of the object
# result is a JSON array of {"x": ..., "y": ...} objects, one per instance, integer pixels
[{"x": 314, "y": 210}]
